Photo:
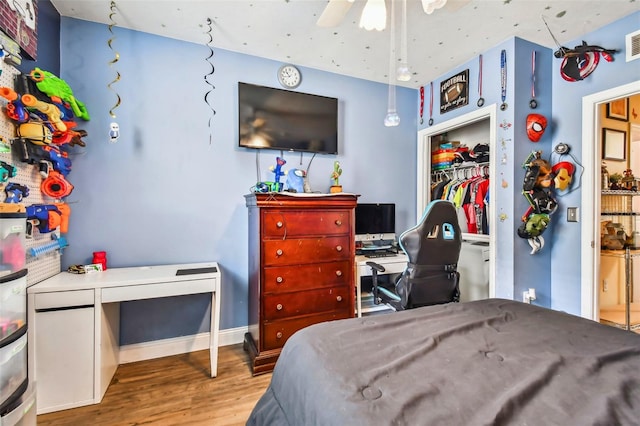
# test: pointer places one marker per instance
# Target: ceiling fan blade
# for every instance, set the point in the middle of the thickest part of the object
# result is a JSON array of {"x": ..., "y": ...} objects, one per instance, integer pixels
[
  {"x": 455, "y": 5},
  {"x": 334, "y": 13}
]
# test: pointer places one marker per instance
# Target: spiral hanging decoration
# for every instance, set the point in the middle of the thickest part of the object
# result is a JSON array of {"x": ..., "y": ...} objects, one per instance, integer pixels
[
  {"x": 115, "y": 59},
  {"x": 207, "y": 76}
]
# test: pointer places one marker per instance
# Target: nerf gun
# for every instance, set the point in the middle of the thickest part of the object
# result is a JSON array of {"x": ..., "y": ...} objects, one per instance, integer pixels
[
  {"x": 15, "y": 192},
  {"x": 58, "y": 243},
  {"x": 52, "y": 112},
  {"x": 7, "y": 171},
  {"x": 48, "y": 217},
  {"x": 15, "y": 109},
  {"x": 52, "y": 85}
]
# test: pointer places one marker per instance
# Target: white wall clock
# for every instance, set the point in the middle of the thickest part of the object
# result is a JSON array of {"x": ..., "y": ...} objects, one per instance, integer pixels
[{"x": 289, "y": 76}]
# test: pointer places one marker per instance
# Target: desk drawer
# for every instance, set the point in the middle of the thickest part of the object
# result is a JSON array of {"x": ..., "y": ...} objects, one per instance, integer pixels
[
  {"x": 305, "y": 250},
  {"x": 302, "y": 277},
  {"x": 303, "y": 222},
  {"x": 278, "y": 306},
  {"x": 63, "y": 299},
  {"x": 275, "y": 334},
  {"x": 155, "y": 290}
]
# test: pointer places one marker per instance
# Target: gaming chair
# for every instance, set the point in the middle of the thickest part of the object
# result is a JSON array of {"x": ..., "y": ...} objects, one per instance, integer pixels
[{"x": 433, "y": 248}]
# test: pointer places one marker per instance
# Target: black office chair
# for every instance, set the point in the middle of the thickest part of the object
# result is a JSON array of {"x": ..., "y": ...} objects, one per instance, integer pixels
[{"x": 431, "y": 276}]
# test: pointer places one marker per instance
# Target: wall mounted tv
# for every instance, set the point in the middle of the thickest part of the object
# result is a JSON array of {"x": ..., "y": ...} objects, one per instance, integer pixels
[{"x": 288, "y": 121}]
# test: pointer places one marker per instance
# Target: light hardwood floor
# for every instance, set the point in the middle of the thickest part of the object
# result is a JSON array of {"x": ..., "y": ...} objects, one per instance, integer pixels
[{"x": 175, "y": 390}]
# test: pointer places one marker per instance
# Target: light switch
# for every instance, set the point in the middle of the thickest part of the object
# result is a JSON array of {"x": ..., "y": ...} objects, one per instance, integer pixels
[{"x": 572, "y": 214}]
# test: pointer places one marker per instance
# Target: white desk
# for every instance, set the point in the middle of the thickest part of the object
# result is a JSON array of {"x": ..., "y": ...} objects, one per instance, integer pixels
[
  {"x": 392, "y": 265},
  {"x": 74, "y": 326}
]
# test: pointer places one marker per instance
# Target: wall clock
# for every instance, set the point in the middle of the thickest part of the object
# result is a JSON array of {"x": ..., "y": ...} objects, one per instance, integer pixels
[{"x": 289, "y": 76}]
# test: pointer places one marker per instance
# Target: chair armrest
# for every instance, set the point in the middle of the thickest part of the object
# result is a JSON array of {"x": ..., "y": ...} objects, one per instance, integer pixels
[{"x": 375, "y": 266}]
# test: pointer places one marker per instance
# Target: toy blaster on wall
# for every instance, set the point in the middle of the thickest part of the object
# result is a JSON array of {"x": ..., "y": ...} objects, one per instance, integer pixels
[
  {"x": 53, "y": 163},
  {"x": 47, "y": 218}
]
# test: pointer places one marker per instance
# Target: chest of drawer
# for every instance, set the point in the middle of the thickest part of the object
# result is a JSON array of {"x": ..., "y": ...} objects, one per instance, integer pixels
[
  {"x": 275, "y": 334},
  {"x": 284, "y": 224},
  {"x": 284, "y": 305},
  {"x": 280, "y": 279},
  {"x": 305, "y": 250}
]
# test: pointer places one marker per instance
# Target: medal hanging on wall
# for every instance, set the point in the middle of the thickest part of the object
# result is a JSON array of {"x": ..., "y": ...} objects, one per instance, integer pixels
[
  {"x": 533, "y": 104},
  {"x": 431, "y": 105},
  {"x": 421, "y": 103},
  {"x": 481, "y": 99},
  {"x": 503, "y": 79}
]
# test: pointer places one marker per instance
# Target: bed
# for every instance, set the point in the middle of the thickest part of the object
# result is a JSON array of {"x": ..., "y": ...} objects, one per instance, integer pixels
[{"x": 487, "y": 362}]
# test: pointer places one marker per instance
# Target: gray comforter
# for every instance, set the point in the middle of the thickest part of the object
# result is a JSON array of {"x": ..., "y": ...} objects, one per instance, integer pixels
[{"x": 487, "y": 362}]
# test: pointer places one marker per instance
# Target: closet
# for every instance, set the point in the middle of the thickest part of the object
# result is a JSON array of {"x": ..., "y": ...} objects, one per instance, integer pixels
[{"x": 455, "y": 164}]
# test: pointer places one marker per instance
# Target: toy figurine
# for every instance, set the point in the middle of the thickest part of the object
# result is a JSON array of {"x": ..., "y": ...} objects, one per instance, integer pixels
[
  {"x": 335, "y": 176},
  {"x": 278, "y": 173}
]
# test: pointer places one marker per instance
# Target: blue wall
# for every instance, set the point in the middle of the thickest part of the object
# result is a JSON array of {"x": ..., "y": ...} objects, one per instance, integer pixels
[{"x": 164, "y": 194}]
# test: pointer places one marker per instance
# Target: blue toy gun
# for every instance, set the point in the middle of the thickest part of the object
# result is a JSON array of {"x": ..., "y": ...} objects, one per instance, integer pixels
[
  {"x": 15, "y": 192},
  {"x": 7, "y": 171}
]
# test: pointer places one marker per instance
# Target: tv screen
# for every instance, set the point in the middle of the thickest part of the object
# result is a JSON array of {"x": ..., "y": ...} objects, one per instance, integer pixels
[
  {"x": 289, "y": 121},
  {"x": 375, "y": 221}
]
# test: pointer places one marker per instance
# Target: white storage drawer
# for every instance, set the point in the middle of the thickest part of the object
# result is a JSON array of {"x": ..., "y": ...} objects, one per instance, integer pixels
[
  {"x": 13, "y": 304},
  {"x": 63, "y": 299},
  {"x": 13, "y": 370},
  {"x": 13, "y": 227},
  {"x": 25, "y": 413}
]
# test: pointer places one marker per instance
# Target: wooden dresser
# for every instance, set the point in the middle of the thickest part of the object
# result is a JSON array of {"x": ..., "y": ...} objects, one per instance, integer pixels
[{"x": 301, "y": 267}]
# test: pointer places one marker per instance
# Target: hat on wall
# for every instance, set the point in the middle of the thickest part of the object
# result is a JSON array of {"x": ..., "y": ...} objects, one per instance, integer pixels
[{"x": 536, "y": 125}]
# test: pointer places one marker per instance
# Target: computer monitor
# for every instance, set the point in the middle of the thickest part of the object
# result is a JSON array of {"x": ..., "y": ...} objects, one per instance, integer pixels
[{"x": 375, "y": 222}]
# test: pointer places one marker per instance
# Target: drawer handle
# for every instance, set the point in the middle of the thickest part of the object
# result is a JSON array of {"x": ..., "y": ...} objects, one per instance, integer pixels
[
  {"x": 339, "y": 248},
  {"x": 279, "y": 224},
  {"x": 339, "y": 298},
  {"x": 339, "y": 222},
  {"x": 338, "y": 273},
  {"x": 279, "y": 335},
  {"x": 279, "y": 280},
  {"x": 279, "y": 306},
  {"x": 279, "y": 252}
]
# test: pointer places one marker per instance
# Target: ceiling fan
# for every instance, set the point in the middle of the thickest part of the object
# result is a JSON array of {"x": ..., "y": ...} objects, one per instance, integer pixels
[{"x": 336, "y": 10}]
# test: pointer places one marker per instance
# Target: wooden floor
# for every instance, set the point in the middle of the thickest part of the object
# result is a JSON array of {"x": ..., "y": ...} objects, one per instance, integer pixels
[{"x": 176, "y": 390}]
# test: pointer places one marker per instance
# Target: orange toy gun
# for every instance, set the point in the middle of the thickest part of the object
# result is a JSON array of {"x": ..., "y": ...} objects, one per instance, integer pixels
[
  {"x": 50, "y": 110},
  {"x": 15, "y": 109}
]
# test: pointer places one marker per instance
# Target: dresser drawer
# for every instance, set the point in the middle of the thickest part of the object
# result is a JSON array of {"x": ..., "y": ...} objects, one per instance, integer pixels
[
  {"x": 305, "y": 250},
  {"x": 295, "y": 223},
  {"x": 286, "y": 305},
  {"x": 303, "y": 277},
  {"x": 275, "y": 334}
]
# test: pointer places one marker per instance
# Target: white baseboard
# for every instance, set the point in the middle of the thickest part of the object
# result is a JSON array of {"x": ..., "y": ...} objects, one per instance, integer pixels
[{"x": 178, "y": 345}]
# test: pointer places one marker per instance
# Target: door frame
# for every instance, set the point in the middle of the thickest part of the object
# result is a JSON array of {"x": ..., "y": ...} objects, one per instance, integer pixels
[
  {"x": 423, "y": 177},
  {"x": 590, "y": 198}
]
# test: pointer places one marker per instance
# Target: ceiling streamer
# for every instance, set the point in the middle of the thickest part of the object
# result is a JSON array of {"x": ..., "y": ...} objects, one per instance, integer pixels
[
  {"x": 114, "y": 130},
  {"x": 207, "y": 76}
]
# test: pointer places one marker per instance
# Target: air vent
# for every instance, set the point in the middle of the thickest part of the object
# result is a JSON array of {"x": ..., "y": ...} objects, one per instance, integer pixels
[{"x": 633, "y": 45}]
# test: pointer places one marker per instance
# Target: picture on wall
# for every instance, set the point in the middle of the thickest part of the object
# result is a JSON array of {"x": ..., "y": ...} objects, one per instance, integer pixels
[
  {"x": 454, "y": 92},
  {"x": 618, "y": 109},
  {"x": 614, "y": 144},
  {"x": 18, "y": 19}
]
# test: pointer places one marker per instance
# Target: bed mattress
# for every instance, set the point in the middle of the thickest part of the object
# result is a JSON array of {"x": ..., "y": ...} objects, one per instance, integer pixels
[{"x": 489, "y": 362}]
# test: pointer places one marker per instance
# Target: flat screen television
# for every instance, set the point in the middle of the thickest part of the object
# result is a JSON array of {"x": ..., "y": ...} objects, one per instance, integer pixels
[
  {"x": 375, "y": 222},
  {"x": 283, "y": 120}
]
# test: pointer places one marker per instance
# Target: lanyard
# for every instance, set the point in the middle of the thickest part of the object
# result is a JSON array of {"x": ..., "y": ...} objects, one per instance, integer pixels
[
  {"x": 533, "y": 104},
  {"x": 421, "y": 103},
  {"x": 431, "y": 105},
  {"x": 481, "y": 99},
  {"x": 503, "y": 79}
]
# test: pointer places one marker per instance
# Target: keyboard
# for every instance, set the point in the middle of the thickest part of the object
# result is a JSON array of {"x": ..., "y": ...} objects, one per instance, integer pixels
[{"x": 372, "y": 255}]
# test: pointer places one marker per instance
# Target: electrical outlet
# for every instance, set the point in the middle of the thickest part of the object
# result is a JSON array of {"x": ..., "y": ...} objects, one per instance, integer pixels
[
  {"x": 572, "y": 214},
  {"x": 605, "y": 286}
]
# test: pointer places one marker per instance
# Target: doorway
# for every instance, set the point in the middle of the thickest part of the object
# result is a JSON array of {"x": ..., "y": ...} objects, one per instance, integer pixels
[{"x": 590, "y": 228}]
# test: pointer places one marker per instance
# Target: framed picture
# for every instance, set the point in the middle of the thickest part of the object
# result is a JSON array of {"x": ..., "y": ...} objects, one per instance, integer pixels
[
  {"x": 614, "y": 144},
  {"x": 618, "y": 109}
]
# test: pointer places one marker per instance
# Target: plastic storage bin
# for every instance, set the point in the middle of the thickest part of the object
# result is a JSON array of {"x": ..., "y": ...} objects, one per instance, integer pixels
[
  {"x": 24, "y": 412},
  {"x": 13, "y": 370},
  {"x": 13, "y": 305},
  {"x": 13, "y": 227}
]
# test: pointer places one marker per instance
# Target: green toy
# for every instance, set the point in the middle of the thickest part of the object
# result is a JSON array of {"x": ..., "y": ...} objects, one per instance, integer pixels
[
  {"x": 337, "y": 171},
  {"x": 51, "y": 85}
]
